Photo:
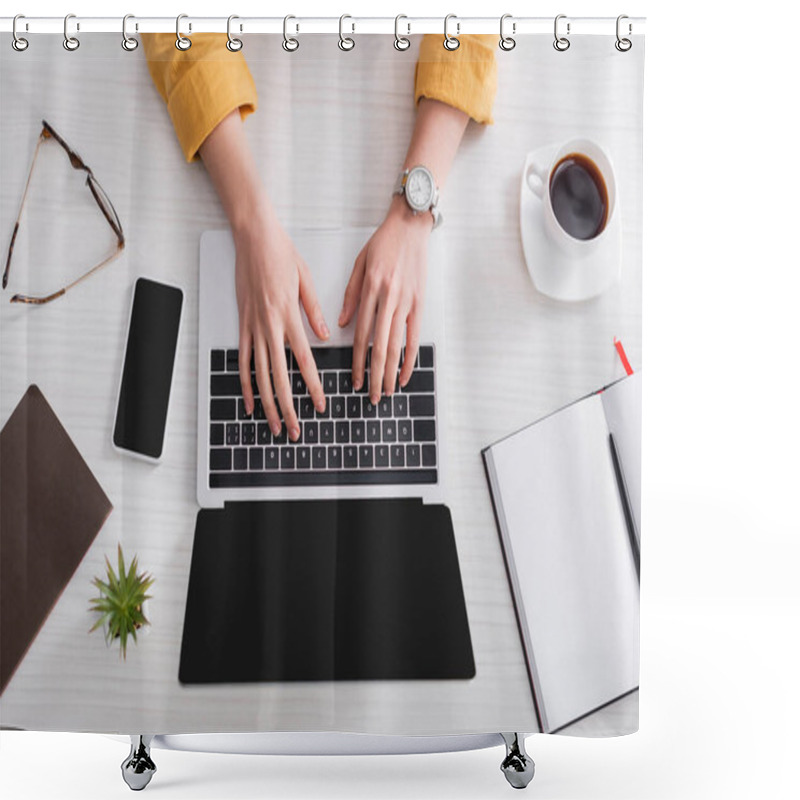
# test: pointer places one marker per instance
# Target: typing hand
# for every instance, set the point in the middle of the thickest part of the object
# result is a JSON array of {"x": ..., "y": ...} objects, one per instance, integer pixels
[
  {"x": 270, "y": 276},
  {"x": 387, "y": 287}
]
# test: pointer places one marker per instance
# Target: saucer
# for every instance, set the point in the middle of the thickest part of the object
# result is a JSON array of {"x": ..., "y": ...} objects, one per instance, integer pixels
[{"x": 554, "y": 272}]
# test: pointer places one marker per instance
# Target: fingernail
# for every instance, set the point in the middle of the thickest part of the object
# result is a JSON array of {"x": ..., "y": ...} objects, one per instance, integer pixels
[
  {"x": 325, "y": 332},
  {"x": 374, "y": 399},
  {"x": 357, "y": 383},
  {"x": 295, "y": 433},
  {"x": 320, "y": 405},
  {"x": 276, "y": 429}
]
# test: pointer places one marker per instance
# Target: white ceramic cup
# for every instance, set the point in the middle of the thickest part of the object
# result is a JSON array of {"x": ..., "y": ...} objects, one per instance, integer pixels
[{"x": 537, "y": 179}]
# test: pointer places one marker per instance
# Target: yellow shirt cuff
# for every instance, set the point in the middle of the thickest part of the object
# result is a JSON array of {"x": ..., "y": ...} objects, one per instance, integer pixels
[
  {"x": 201, "y": 85},
  {"x": 465, "y": 78}
]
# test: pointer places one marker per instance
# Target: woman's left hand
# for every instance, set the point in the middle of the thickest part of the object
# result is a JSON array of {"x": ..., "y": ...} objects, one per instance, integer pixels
[{"x": 387, "y": 288}]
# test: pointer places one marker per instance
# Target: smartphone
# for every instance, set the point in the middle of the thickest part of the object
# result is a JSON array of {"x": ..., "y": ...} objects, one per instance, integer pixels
[{"x": 146, "y": 381}]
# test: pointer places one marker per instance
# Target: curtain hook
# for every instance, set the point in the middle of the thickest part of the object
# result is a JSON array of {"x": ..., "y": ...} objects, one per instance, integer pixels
[
  {"x": 401, "y": 42},
  {"x": 561, "y": 43},
  {"x": 346, "y": 42},
  {"x": 451, "y": 42},
  {"x": 128, "y": 42},
  {"x": 181, "y": 41},
  {"x": 70, "y": 43},
  {"x": 18, "y": 43},
  {"x": 290, "y": 44},
  {"x": 233, "y": 44},
  {"x": 623, "y": 44},
  {"x": 507, "y": 42}
]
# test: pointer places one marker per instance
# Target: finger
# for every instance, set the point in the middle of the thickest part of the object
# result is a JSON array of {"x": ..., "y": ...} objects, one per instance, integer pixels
[
  {"x": 265, "y": 385},
  {"x": 245, "y": 349},
  {"x": 380, "y": 343},
  {"x": 280, "y": 379},
  {"x": 412, "y": 347},
  {"x": 395, "y": 345},
  {"x": 308, "y": 297},
  {"x": 354, "y": 289},
  {"x": 365, "y": 320},
  {"x": 305, "y": 360}
]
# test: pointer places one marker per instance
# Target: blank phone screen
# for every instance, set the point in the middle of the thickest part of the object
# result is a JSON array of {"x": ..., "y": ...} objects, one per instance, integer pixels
[{"x": 147, "y": 373}]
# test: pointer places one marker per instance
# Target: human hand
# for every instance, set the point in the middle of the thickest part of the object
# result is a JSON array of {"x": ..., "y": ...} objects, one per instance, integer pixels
[
  {"x": 270, "y": 276},
  {"x": 387, "y": 287}
]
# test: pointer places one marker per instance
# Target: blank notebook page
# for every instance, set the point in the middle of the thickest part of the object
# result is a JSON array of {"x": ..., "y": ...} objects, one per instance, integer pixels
[{"x": 563, "y": 516}]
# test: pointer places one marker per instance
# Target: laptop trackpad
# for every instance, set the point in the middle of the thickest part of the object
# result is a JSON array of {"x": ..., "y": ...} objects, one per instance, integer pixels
[{"x": 323, "y": 590}]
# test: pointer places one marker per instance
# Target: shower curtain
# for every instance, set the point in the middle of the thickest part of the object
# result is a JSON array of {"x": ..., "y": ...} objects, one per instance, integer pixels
[{"x": 335, "y": 425}]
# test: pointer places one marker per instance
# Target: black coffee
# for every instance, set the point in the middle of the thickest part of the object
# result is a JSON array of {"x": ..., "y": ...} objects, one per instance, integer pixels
[{"x": 579, "y": 197}]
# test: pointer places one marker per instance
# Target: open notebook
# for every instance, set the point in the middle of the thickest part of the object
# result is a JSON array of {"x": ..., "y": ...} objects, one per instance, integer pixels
[{"x": 568, "y": 513}]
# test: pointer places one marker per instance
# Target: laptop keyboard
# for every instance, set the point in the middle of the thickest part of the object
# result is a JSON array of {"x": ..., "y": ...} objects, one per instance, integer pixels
[{"x": 351, "y": 442}]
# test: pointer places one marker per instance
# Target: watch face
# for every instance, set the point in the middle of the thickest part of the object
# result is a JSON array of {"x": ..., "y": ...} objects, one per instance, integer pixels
[{"x": 419, "y": 189}]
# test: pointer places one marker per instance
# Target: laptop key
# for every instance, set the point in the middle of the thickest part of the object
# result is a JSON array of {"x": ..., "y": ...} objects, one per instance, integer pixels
[
  {"x": 389, "y": 430},
  {"x": 232, "y": 360},
  {"x": 223, "y": 409},
  {"x": 232, "y": 433},
  {"x": 311, "y": 432},
  {"x": 385, "y": 407},
  {"x": 329, "y": 382},
  {"x": 350, "y": 456},
  {"x": 353, "y": 407},
  {"x": 404, "y": 433},
  {"x": 242, "y": 413},
  {"x": 306, "y": 407},
  {"x": 298, "y": 384},
  {"x": 357, "y": 431},
  {"x": 412, "y": 455},
  {"x": 421, "y": 380},
  {"x": 248, "y": 433},
  {"x": 281, "y": 438},
  {"x": 345, "y": 383},
  {"x": 258, "y": 410},
  {"x": 318, "y": 459},
  {"x": 337, "y": 406},
  {"x": 287, "y": 457},
  {"x": 334, "y": 457},
  {"x": 368, "y": 410},
  {"x": 240, "y": 458},
  {"x": 373, "y": 430},
  {"x": 216, "y": 435},
  {"x": 218, "y": 361},
  {"x": 429, "y": 455},
  {"x": 398, "y": 455},
  {"x": 226, "y": 385},
  {"x": 326, "y": 432},
  {"x": 365, "y": 456},
  {"x": 426, "y": 356},
  {"x": 424, "y": 431},
  {"x": 421, "y": 405},
  {"x": 382, "y": 455},
  {"x": 263, "y": 433},
  {"x": 303, "y": 457},
  {"x": 220, "y": 458},
  {"x": 342, "y": 432},
  {"x": 256, "y": 458},
  {"x": 271, "y": 458},
  {"x": 399, "y": 405}
]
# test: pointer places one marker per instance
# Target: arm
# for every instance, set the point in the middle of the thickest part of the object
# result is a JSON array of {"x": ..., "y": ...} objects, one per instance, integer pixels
[
  {"x": 270, "y": 275},
  {"x": 209, "y": 91},
  {"x": 387, "y": 286}
]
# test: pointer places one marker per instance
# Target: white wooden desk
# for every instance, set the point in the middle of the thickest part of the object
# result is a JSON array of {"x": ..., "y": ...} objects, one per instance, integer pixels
[{"x": 329, "y": 135}]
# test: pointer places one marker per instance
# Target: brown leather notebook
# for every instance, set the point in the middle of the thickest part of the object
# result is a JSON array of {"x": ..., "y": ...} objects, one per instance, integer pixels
[{"x": 51, "y": 509}]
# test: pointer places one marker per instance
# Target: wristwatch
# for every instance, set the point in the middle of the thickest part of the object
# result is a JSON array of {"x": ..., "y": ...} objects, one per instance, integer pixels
[{"x": 420, "y": 191}]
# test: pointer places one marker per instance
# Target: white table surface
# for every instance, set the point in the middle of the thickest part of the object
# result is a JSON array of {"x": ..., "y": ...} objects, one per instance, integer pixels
[{"x": 329, "y": 135}]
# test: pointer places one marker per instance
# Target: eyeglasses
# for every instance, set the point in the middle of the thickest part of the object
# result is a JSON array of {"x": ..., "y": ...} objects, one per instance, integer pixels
[{"x": 101, "y": 198}]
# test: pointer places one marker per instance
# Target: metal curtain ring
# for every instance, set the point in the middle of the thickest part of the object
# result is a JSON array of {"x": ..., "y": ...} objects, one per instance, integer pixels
[
  {"x": 507, "y": 42},
  {"x": 128, "y": 42},
  {"x": 401, "y": 42},
  {"x": 451, "y": 42},
  {"x": 346, "y": 42},
  {"x": 233, "y": 44},
  {"x": 70, "y": 42},
  {"x": 290, "y": 44},
  {"x": 17, "y": 42},
  {"x": 561, "y": 43},
  {"x": 623, "y": 44},
  {"x": 181, "y": 41}
]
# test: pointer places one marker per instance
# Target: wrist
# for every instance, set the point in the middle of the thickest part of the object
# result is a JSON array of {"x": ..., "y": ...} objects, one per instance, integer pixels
[{"x": 400, "y": 211}]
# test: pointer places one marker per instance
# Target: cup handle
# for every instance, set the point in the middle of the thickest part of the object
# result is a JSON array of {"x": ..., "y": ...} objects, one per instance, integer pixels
[{"x": 535, "y": 178}]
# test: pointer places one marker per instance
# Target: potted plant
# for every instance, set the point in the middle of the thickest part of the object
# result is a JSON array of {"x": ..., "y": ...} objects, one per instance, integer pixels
[{"x": 121, "y": 599}]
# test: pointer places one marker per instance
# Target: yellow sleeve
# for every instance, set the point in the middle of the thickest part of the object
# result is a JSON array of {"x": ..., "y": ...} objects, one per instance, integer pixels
[
  {"x": 465, "y": 78},
  {"x": 201, "y": 85}
]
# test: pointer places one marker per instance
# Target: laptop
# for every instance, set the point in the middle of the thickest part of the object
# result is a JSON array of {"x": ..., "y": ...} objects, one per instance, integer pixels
[{"x": 351, "y": 450}]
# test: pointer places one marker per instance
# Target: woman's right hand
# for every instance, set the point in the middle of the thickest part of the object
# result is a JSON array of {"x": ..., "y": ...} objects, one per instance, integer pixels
[{"x": 270, "y": 276}]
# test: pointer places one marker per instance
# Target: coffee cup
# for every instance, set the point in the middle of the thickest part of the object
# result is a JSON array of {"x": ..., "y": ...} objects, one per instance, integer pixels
[{"x": 578, "y": 196}]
